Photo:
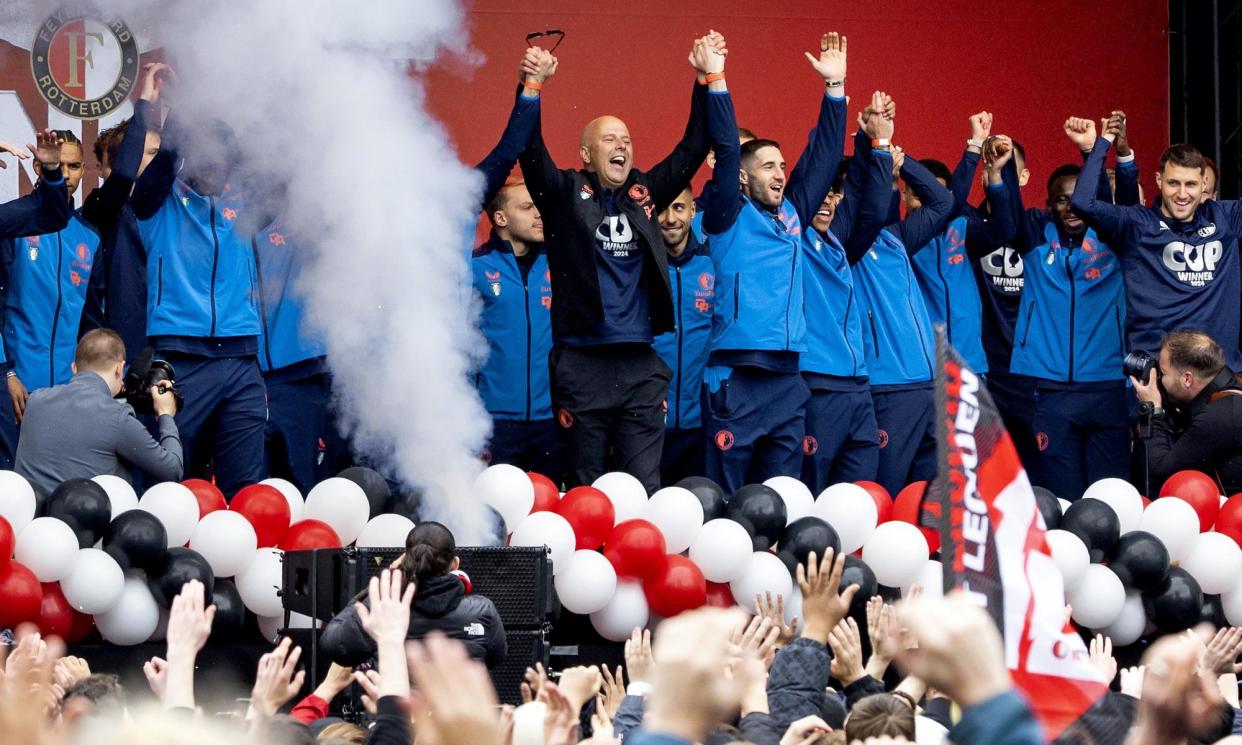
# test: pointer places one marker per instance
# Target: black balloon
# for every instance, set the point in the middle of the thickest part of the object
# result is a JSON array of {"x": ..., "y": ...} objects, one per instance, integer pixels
[
  {"x": 1049, "y": 507},
  {"x": 137, "y": 540},
  {"x": 496, "y": 526},
  {"x": 761, "y": 511},
  {"x": 1213, "y": 612},
  {"x": 230, "y": 612},
  {"x": 709, "y": 493},
  {"x": 804, "y": 535},
  {"x": 373, "y": 485},
  {"x": 858, "y": 573},
  {"x": 42, "y": 495},
  {"x": 1177, "y": 604},
  {"x": 406, "y": 501},
  {"x": 180, "y": 566},
  {"x": 1096, "y": 524},
  {"x": 84, "y": 506},
  {"x": 1140, "y": 560}
]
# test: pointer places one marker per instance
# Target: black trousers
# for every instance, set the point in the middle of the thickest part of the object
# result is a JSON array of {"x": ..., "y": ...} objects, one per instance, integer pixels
[
  {"x": 609, "y": 403},
  {"x": 531, "y": 446},
  {"x": 683, "y": 455}
]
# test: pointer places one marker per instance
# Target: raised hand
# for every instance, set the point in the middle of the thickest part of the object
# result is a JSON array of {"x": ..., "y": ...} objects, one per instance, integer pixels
[
  {"x": 877, "y": 118},
  {"x": 1221, "y": 653},
  {"x": 830, "y": 64},
  {"x": 981, "y": 125},
  {"x": 775, "y": 612},
  {"x": 998, "y": 152},
  {"x": 70, "y": 670},
  {"x": 1101, "y": 655},
  {"x": 708, "y": 54},
  {"x": 638, "y": 658},
  {"x": 758, "y": 638},
  {"x": 960, "y": 650},
  {"x": 899, "y": 160},
  {"x": 692, "y": 693},
  {"x": 1081, "y": 132},
  {"x": 847, "y": 662},
  {"x": 613, "y": 691},
  {"x": 1122, "y": 143},
  {"x": 535, "y": 677},
  {"x": 369, "y": 683},
  {"x": 824, "y": 603},
  {"x": 456, "y": 702},
  {"x": 538, "y": 65},
  {"x": 47, "y": 151},
  {"x": 560, "y": 719},
  {"x": 156, "y": 672},
  {"x": 805, "y": 731},
  {"x": 189, "y": 623},
  {"x": 276, "y": 681},
  {"x": 156, "y": 76},
  {"x": 388, "y": 618},
  {"x": 881, "y": 630},
  {"x": 1132, "y": 681},
  {"x": 580, "y": 684}
]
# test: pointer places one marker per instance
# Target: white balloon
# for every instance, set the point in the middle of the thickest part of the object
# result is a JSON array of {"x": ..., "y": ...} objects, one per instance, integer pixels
[
  {"x": 797, "y": 497},
  {"x": 1122, "y": 497},
  {"x": 95, "y": 583},
  {"x": 176, "y": 507},
  {"x": 896, "y": 552},
  {"x": 48, "y": 547},
  {"x": 547, "y": 529},
  {"x": 1231, "y": 603},
  {"x": 273, "y": 627},
  {"x": 626, "y": 493},
  {"x": 260, "y": 583},
  {"x": 340, "y": 503},
  {"x": 1215, "y": 561},
  {"x": 678, "y": 514},
  {"x": 385, "y": 531},
  {"x": 721, "y": 550},
  {"x": 625, "y": 612},
  {"x": 587, "y": 582},
  {"x": 764, "y": 573},
  {"x": 931, "y": 579},
  {"x": 851, "y": 511},
  {"x": 121, "y": 494},
  {"x": 1070, "y": 555},
  {"x": 507, "y": 489},
  {"x": 294, "y": 497},
  {"x": 793, "y": 608},
  {"x": 17, "y": 500},
  {"x": 1175, "y": 523},
  {"x": 1098, "y": 598},
  {"x": 1130, "y": 625},
  {"x": 1065, "y": 504},
  {"x": 226, "y": 540},
  {"x": 134, "y": 617}
]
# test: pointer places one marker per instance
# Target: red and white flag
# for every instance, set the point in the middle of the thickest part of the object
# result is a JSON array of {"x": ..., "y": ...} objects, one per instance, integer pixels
[{"x": 993, "y": 549}]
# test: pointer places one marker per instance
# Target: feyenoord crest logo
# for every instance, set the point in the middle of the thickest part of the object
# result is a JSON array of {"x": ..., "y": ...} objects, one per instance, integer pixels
[{"x": 84, "y": 66}]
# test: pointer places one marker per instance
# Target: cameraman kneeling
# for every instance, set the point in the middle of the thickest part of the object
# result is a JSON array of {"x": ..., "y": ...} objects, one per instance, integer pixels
[
  {"x": 79, "y": 429},
  {"x": 1204, "y": 429}
]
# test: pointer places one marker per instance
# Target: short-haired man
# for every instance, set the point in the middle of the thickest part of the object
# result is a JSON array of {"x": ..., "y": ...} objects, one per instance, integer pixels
[
  {"x": 1197, "y": 418},
  {"x": 80, "y": 430},
  {"x": 510, "y": 276},
  {"x": 693, "y": 280},
  {"x": 1179, "y": 258},
  {"x": 610, "y": 279}
]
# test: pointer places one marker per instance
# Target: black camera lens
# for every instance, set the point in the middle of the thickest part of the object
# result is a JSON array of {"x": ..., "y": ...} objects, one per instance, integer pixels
[{"x": 1138, "y": 364}]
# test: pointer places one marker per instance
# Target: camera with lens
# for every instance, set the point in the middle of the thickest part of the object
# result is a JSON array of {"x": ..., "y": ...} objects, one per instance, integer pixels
[
  {"x": 1139, "y": 364},
  {"x": 145, "y": 373}
]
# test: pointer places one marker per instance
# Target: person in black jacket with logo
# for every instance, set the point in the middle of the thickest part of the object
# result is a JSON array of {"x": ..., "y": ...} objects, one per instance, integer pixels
[
  {"x": 440, "y": 604},
  {"x": 610, "y": 280}
]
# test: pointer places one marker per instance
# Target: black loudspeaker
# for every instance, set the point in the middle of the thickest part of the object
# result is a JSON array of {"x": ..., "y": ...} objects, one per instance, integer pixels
[{"x": 319, "y": 583}]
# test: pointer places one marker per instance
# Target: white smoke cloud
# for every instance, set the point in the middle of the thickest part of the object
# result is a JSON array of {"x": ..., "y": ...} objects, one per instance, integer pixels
[{"x": 319, "y": 92}]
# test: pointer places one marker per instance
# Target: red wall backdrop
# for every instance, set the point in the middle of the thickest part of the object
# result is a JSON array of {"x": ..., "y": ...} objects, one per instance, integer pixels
[{"x": 1031, "y": 63}]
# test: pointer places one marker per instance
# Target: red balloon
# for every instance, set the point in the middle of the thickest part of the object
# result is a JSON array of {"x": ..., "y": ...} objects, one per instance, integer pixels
[
  {"x": 636, "y": 549},
  {"x": 883, "y": 500},
  {"x": 307, "y": 534},
  {"x": 266, "y": 509},
  {"x": 83, "y": 625},
  {"x": 1229, "y": 518},
  {"x": 906, "y": 509},
  {"x": 679, "y": 587},
  {"x": 55, "y": 612},
  {"x": 21, "y": 596},
  {"x": 590, "y": 513},
  {"x": 1199, "y": 490},
  {"x": 719, "y": 595},
  {"x": 7, "y": 541},
  {"x": 547, "y": 496},
  {"x": 209, "y": 497}
]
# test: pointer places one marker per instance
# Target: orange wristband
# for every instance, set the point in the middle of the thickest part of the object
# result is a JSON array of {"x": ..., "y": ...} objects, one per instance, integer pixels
[
  {"x": 533, "y": 85},
  {"x": 713, "y": 77}
]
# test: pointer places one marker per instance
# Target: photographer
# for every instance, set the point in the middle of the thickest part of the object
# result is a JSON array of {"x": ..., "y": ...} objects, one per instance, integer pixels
[
  {"x": 79, "y": 430},
  {"x": 1204, "y": 430}
]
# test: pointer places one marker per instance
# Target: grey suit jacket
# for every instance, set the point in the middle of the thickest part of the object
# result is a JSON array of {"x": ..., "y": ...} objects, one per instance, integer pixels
[{"x": 77, "y": 430}]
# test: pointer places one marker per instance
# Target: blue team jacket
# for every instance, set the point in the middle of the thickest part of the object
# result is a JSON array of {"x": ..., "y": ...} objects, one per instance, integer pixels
[
  {"x": 46, "y": 288},
  {"x": 693, "y": 280},
  {"x": 284, "y": 340},
  {"x": 949, "y": 293},
  {"x": 897, "y": 331},
  {"x": 517, "y": 323},
  {"x": 1073, "y": 309}
]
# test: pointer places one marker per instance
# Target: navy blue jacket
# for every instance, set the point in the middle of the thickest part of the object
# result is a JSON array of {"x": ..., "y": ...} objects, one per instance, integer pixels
[
  {"x": 1177, "y": 275},
  {"x": 943, "y": 267},
  {"x": 499, "y": 162},
  {"x": 898, "y": 332},
  {"x": 285, "y": 341},
  {"x": 516, "y": 320},
  {"x": 834, "y": 327},
  {"x": 202, "y": 284},
  {"x": 757, "y": 253},
  {"x": 693, "y": 280},
  {"x": 116, "y": 297}
]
